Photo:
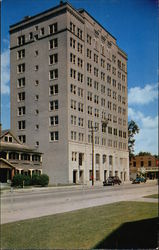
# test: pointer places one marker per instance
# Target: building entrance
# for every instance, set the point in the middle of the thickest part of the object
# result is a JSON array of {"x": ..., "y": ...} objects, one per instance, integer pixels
[
  {"x": 5, "y": 174},
  {"x": 74, "y": 176}
]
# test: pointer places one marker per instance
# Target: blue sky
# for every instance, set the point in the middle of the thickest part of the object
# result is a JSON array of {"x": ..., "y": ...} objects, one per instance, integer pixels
[{"x": 134, "y": 24}]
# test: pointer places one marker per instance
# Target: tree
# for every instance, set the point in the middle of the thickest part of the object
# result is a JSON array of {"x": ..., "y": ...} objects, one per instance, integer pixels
[
  {"x": 143, "y": 153},
  {"x": 133, "y": 129}
]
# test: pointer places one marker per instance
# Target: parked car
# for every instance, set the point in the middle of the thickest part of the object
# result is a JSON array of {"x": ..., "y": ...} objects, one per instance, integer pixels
[
  {"x": 111, "y": 181},
  {"x": 138, "y": 180}
]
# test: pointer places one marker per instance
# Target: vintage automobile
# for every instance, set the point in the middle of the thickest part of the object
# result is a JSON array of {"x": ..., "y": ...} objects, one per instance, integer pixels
[
  {"x": 111, "y": 181},
  {"x": 138, "y": 180}
]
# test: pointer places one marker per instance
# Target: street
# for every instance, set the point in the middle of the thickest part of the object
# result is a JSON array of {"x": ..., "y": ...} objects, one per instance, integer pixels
[{"x": 26, "y": 204}]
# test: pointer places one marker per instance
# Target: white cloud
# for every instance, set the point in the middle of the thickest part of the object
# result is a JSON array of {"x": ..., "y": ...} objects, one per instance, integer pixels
[
  {"x": 144, "y": 95},
  {"x": 147, "y": 139},
  {"x": 5, "y": 71}
]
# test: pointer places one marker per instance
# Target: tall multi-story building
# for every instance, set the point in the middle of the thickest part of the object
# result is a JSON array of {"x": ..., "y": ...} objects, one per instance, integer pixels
[{"x": 68, "y": 75}]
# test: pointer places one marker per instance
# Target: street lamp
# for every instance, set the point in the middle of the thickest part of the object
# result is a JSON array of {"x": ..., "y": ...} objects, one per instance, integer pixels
[{"x": 92, "y": 130}]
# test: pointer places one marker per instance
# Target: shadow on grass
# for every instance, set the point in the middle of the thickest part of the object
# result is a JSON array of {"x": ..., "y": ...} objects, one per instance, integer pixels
[{"x": 132, "y": 235}]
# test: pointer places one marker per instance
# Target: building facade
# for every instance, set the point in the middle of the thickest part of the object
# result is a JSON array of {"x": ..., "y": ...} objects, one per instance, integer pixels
[
  {"x": 68, "y": 75},
  {"x": 16, "y": 158},
  {"x": 146, "y": 164}
]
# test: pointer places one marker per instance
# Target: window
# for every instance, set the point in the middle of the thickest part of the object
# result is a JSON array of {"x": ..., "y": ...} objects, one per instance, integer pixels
[
  {"x": 36, "y": 52},
  {"x": 110, "y": 130},
  {"x": 95, "y": 58},
  {"x": 80, "y": 137},
  {"x": 36, "y": 97},
  {"x": 80, "y": 77},
  {"x": 21, "y": 96},
  {"x": 53, "y": 59},
  {"x": 30, "y": 35},
  {"x": 72, "y": 27},
  {"x": 134, "y": 163},
  {"x": 73, "y": 120},
  {"x": 96, "y": 85},
  {"x": 89, "y": 96},
  {"x": 79, "y": 33},
  {"x": 80, "y": 122},
  {"x": 21, "y": 82},
  {"x": 141, "y": 163},
  {"x": 73, "y": 73},
  {"x": 42, "y": 32},
  {"x": 97, "y": 175},
  {"x": 72, "y": 58},
  {"x": 80, "y": 107},
  {"x": 110, "y": 160},
  {"x": 54, "y": 120},
  {"x": 21, "y": 40},
  {"x": 149, "y": 164},
  {"x": 80, "y": 92},
  {"x": 54, "y": 136},
  {"x": 73, "y": 135},
  {"x": 89, "y": 39},
  {"x": 72, "y": 43},
  {"x": 89, "y": 81},
  {"x": 53, "y": 43},
  {"x": 97, "y": 158},
  {"x": 22, "y": 138},
  {"x": 21, "y": 125},
  {"x": 21, "y": 68},
  {"x": 80, "y": 48},
  {"x": 36, "y": 67},
  {"x": 53, "y": 105},
  {"x": 21, "y": 111},
  {"x": 89, "y": 53},
  {"x": 104, "y": 159},
  {"x": 74, "y": 156},
  {"x": 25, "y": 157},
  {"x": 21, "y": 54},
  {"x": 53, "y": 28},
  {"x": 53, "y": 90},
  {"x": 90, "y": 110},
  {"x": 73, "y": 89},
  {"x": 53, "y": 74},
  {"x": 80, "y": 63}
]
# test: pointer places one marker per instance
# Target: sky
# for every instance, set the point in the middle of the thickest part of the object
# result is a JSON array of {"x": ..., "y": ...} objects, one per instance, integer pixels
[{"x": 134, "y": 23}]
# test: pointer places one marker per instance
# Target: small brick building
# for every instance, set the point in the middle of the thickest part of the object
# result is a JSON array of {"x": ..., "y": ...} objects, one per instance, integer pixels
[{"x": 147, "y": 164}]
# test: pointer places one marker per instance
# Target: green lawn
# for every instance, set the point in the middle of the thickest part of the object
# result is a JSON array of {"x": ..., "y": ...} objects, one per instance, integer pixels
[
  {"x": 120, "y": 225},
  {"x": 155, "y": 196}
]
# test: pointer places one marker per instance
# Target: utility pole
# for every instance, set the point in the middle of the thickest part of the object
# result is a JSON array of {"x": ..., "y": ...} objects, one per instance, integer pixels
[{"x": 92, "y": 130}]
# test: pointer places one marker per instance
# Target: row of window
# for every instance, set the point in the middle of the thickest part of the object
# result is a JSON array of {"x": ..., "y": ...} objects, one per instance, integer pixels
[{"x": 52, "y": 29}]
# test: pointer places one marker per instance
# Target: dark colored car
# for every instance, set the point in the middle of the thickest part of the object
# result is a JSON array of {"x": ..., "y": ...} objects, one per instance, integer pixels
[
  {"x": 111, "y": 181},
  {"x": 138, "y": 180}
]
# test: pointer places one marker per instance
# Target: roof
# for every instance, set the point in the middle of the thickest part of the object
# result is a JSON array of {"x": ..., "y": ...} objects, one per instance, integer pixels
[
  {"x": 79, "y": 11},
  {"x": 15, "y": 146}
]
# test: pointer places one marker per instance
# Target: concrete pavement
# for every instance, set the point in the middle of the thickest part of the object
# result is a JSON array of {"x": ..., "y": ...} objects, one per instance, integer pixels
[{"x": 36, "y": 203}]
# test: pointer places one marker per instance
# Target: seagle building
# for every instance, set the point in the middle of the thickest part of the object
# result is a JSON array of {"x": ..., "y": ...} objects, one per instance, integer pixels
[{"x": 68, "y": 75}]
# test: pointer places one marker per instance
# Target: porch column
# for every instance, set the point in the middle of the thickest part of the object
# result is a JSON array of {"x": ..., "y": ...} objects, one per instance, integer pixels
[
  {"x": 12, "y": 173},
  {"x": 31, "y": 170},
  {"x": 7, "y": 156}
]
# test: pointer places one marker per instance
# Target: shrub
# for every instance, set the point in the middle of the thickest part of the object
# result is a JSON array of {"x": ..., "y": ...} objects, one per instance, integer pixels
[
  {"x": 27, "y": 180},
  {"x": 35, "y": 179},
  {"x": 43, "y": 180},
  {"x": 17, "y": 180}
]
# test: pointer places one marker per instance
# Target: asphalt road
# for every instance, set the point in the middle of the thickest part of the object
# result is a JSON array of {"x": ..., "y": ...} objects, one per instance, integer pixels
[{"x": 26, "y": 204}]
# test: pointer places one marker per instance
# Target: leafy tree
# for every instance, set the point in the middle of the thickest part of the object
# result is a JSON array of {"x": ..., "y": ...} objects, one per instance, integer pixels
[
  {"x": 144, "y": 153},
  {"x": 133, "y": 129}
]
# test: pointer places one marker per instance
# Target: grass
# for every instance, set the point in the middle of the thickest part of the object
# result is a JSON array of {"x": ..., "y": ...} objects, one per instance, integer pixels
[
  {"x": 155, "y": 196},
  {"x": 82, "y": 229}
]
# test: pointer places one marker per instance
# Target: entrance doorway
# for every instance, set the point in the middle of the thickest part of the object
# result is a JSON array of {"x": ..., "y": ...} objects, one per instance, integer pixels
[
  {"x": 81, "y": 176},
  {"x": 105, "y": 175},
  {"x": 5, "y": 174},
  {"x": 74, "y": 176}
]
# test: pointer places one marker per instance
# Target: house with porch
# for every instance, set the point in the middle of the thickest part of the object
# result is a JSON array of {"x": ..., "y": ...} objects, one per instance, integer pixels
[{"x": 16, "y": 157}]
